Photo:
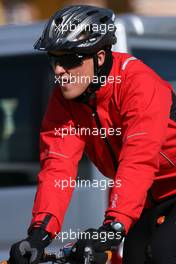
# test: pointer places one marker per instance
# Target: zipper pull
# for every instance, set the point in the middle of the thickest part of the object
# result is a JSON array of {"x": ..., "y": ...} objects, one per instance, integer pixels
[{"x": 93, "y": 113}]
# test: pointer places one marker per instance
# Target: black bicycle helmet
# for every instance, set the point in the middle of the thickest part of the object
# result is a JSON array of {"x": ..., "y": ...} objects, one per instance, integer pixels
[{"x": 78, "y": 28}]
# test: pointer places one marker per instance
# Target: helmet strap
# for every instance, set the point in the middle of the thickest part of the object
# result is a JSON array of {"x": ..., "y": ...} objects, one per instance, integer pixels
[{"x": 99, "y": 71}]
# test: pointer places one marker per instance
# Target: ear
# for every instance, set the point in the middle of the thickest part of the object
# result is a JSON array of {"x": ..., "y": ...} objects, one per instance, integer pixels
[{"x": 101, "y": 57}]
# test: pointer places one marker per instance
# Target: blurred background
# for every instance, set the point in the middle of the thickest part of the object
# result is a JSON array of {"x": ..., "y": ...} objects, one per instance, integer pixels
[
  {"x": 146, "y": 29},
  {"x": 27, "y": 11}
]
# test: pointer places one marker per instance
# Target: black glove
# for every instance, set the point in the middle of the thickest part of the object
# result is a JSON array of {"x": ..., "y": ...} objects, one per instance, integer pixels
[
  {"x": 106, "y": 238},
  {"x": 31, "y": 249}
]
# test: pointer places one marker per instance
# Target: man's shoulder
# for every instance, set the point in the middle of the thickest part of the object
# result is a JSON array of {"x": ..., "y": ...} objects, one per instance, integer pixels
[
  {"x": 135, "y": 73},
  {"x": 127, "y": 62},
  {"x": 130, "y": 66}
]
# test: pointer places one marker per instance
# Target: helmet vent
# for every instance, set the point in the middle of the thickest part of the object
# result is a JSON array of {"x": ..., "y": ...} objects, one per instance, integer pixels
[
  {"x": 92, "y": 12},
  {"x": 104, "y": 19},
  {"x": 58, "y": 21},
  {"x": 76, "y": 22}
]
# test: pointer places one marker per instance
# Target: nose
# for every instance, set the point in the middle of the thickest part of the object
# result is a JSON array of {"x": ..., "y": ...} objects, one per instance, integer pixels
[{"x": 59, "y": 70}]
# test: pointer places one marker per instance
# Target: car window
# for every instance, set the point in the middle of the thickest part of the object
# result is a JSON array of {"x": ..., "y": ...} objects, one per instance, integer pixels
[{"x": 162, "y": 61}]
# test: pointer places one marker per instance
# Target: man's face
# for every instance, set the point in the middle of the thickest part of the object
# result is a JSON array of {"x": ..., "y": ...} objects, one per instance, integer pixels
[{"x": 74, "y": 79}]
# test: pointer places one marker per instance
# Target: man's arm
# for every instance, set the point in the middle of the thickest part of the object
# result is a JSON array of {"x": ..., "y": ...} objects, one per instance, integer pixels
[
  {"x": 59, "y": 156},
  {"x": 145, "y": 107}
]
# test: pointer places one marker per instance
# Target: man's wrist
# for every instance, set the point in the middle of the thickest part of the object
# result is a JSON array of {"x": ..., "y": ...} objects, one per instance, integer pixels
[
  {"x": 40, "y": 235},
  {"x": 118, "y": 227},
  {"x": 117, "y": 217},
  {"x": 52, "y": 227}
]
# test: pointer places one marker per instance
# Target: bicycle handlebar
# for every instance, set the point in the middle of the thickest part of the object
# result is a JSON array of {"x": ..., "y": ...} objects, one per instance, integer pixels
[{"x": 64, "y": 259}]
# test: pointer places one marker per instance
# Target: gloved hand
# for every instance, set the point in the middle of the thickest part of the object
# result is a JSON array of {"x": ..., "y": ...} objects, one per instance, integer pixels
[
  {"x": 31, "y": 249},
  {"x": 106, "y": 238}
]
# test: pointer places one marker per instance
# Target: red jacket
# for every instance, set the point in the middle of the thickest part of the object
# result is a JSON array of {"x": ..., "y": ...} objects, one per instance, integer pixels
[{"x": 142, "y": 105}]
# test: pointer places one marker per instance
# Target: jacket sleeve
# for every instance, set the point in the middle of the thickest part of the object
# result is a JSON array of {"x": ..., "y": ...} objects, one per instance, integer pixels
[
  {"x": 60, "y": 153},
  {"x": 145, "y": 107}
]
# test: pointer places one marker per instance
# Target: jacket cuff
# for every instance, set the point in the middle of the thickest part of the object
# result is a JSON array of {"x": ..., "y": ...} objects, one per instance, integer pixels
[
  {"x": 115, "y": 216},
  {"x": 52, "y": 226}
]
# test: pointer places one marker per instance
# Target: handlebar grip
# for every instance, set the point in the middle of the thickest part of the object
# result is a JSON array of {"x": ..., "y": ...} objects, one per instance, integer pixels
[{"x": 46, "y": 258}]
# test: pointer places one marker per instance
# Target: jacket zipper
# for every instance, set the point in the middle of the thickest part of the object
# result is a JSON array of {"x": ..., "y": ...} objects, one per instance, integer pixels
[
  {"x": 105, "y": 139},
  {"x": 168, "y": 159}
]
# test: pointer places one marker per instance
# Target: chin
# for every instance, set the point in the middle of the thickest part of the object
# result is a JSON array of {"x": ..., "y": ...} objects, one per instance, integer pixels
[
  {"x": 69, "y": 96},
  {"x": 71, "y": 92}
]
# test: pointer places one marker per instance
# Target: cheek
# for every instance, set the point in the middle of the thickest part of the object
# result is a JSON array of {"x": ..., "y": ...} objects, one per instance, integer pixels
[
  {"x": 83, "y": 74},
  {"x": 88, "y": 68}
]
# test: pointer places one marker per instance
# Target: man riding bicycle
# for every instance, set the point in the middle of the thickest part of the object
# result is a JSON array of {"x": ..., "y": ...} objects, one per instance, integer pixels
[{"x": 142, "y": 156}]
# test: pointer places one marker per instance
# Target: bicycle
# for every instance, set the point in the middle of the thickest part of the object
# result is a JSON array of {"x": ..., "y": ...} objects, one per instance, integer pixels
[{"x": 63, "y": 256}]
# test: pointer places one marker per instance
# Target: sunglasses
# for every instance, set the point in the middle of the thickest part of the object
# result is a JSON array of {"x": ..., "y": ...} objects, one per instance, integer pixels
[{"x": 67, "y": 61}]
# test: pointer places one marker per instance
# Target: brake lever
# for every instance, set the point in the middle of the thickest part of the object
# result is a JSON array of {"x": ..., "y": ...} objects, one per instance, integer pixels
[{"x": 88, "y": 255}]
